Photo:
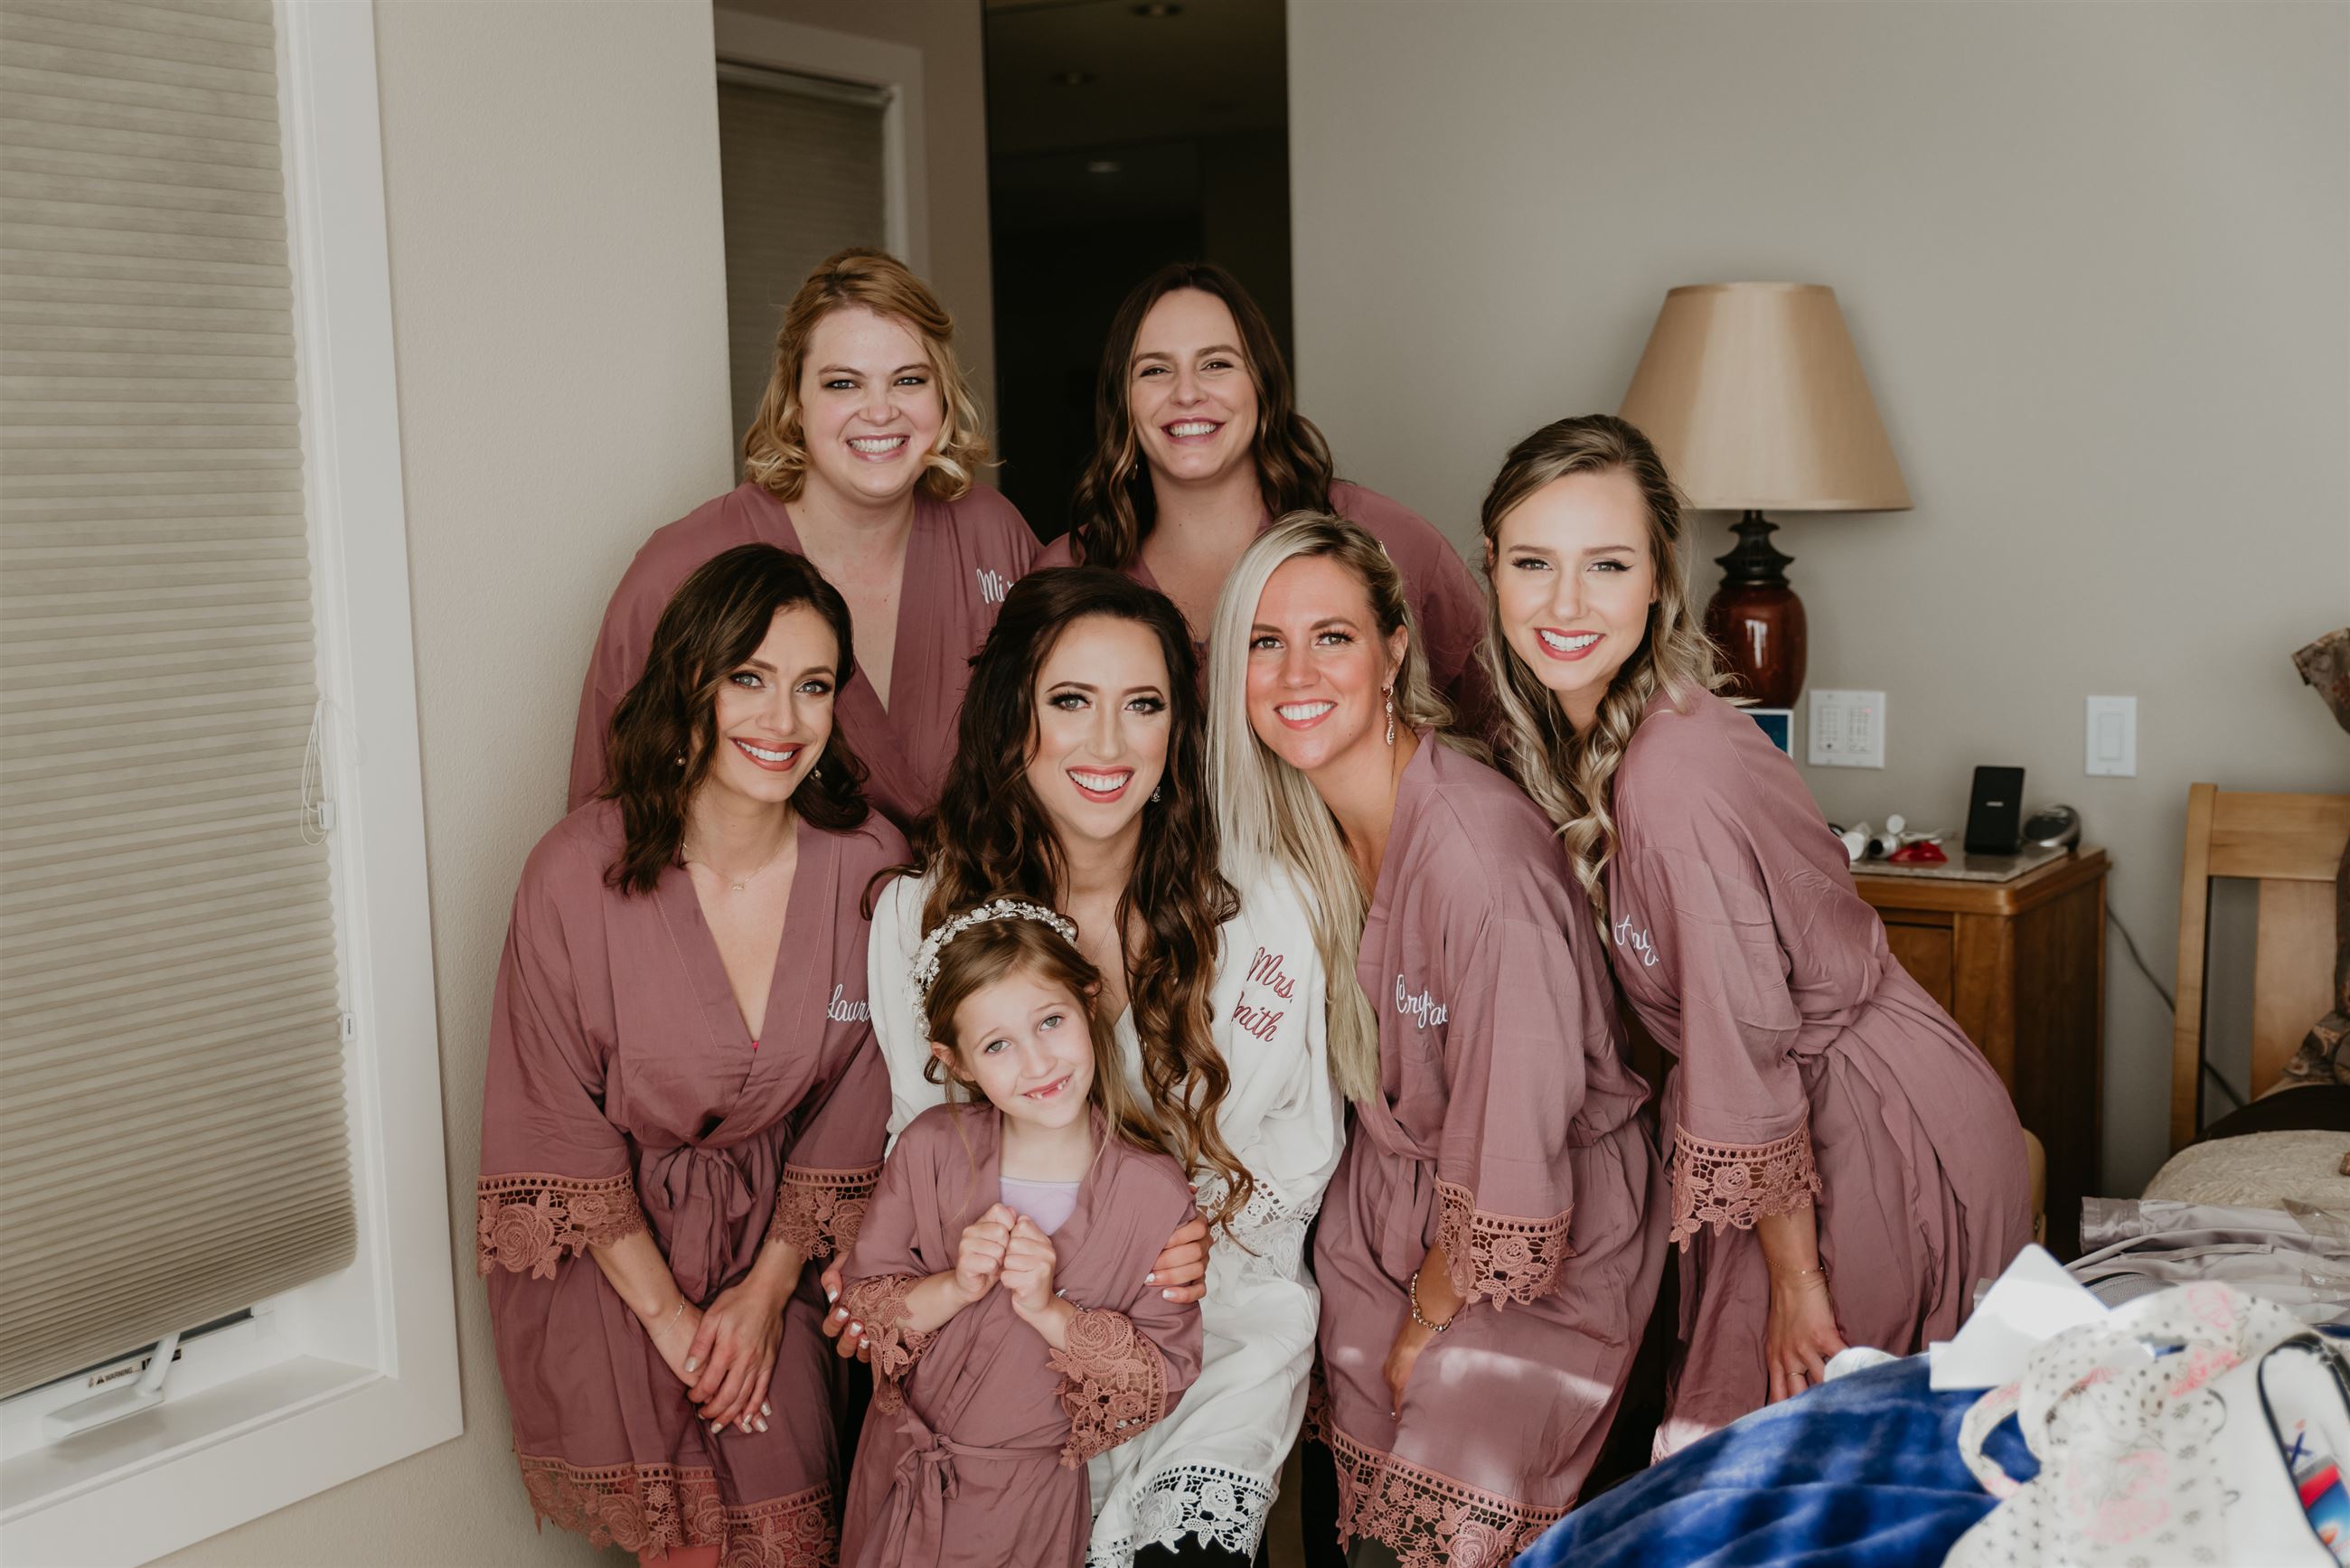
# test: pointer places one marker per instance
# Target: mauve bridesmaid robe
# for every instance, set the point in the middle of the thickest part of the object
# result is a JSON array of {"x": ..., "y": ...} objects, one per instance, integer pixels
[
  {"x": 975, "y": 1455},
  {"x": 1811, "y": 1066},
  {"x": 1443, "y": 592},
  {"x": 1506, "y": 1129},
  {"x": 623, "y": 1093},
  {"x": 962, "y": 557}
]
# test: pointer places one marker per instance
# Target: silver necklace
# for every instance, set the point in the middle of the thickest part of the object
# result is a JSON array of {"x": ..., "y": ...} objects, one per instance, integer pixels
[{"x": 737, "y": 883}]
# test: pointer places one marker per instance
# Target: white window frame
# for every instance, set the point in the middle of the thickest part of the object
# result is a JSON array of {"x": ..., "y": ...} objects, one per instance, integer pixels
[
  {"x": 895, "y": 69},
  {"x": 356, "y": 1371}
]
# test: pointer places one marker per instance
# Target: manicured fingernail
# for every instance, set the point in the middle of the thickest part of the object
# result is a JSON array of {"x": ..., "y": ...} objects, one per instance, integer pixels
[
  {"x": 690, "y": 1364},
  {"x": 832, "y": 1295},
  {"x": 765, "y": 1408},
  {"x": 1167, "y": 1295},
  {"x": 1150, "y": 1279},
  {"x": 716, "y": 1427},
  {"x": 762, "y": 1423},
  {"x": 856, "y": 1328}
]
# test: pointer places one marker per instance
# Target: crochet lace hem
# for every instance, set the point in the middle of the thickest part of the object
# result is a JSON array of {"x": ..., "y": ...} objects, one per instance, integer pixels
[
  {"x": 529, "y": 1222},
  {"x": 1726, "y": 1184},
  {"x": 1113, "y": 1384},
  {"x": 655, "y": 1509},
  {"x": 1222, "y": 1507},
  {"x": 878, "y": 1304},
  {"x": 817, "y": 1212},
  {"x": 1427, "y": 1519},
  {"x": 1496, "y": 1257}
]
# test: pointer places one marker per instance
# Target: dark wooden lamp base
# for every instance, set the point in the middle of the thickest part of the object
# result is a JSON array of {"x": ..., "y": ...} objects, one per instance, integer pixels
[{"x": 1756, "y": 619}]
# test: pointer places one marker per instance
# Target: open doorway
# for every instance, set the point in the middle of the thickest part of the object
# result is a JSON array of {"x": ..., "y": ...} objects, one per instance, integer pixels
[{"x": 1122, "y": 135}]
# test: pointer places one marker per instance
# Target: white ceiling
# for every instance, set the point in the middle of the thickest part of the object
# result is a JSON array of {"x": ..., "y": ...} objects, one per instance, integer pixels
[{"x": 1217, "y": 67}]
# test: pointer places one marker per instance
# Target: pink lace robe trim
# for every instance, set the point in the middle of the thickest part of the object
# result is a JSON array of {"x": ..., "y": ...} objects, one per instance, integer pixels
[
  {"x": 1497, "y": 1258},
  {"x": 1726, "y": 1184},
  {"x": 529, "y": 1222},
  {"x": 1113, "y": 1384},
  {"x": 878, "y": 1304},
  {"x": 658, "y": 1508},
  {"x": 1427, "y": 1519},
  {"x": 819, "y": 1212}
]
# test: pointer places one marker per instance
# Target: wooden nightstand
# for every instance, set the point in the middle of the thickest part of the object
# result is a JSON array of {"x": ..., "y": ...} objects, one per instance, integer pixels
[{"x": 2021, "y": 965}]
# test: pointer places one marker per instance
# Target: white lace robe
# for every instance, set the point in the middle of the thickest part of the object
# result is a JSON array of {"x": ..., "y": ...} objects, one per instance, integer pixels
[{"x": 1210, "y": 1468}]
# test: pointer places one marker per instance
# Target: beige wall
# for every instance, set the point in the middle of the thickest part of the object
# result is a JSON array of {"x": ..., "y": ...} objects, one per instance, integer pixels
[
  {"x": 2097, "y": 262},
  {"x": 558, "y": 311},
  {"x": 955, "y": 109}
]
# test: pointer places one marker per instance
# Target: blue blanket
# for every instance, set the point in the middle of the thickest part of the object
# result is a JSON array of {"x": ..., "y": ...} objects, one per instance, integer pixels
[{"x": 1863, "y": 1472}]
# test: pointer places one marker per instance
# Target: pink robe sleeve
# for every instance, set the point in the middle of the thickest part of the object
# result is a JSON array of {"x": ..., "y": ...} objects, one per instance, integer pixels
[
  {"x": 1514, "y": 1079},
  {"x": 1741, "y": 1146},
  {"x": 621, "y": 643},
  {"x": 835, "y": 1161},
  {"x": 1124, "y": 1370},
  {"x": 885, "y": 1261},
  {"x": 555, "y": 1175}
]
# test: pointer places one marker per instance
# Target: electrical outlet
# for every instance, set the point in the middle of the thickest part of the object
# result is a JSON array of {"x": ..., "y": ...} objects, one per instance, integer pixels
[
  {"x": 2112, "y": 737},
  {"x": 1847, "y": 730}
]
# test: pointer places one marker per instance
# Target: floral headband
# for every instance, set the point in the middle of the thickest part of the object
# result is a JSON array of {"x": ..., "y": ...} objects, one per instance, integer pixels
[{"x": 926, "y": 962}]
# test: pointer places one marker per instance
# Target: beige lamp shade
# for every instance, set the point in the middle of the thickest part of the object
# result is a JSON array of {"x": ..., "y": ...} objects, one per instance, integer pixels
[{"x": 1755, "y": 399}]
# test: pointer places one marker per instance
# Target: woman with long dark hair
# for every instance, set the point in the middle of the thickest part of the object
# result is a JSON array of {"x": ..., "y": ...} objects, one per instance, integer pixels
[
  {"x": 1845, "y": 1164},
  {"x": 1199, "y": 446},
  {"x": 684, "y": 1109},
  {"x": 1080, "y": 783}
]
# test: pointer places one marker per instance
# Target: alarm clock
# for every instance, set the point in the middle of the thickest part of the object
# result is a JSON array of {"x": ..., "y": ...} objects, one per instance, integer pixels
[{"x": 2052, "y": 827}]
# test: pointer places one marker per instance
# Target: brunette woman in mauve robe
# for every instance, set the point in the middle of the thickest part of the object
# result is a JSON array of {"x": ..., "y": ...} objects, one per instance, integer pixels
[
  {"x": 684, "y": 1108},
  {"x": 1845, "y": 1166},
  {"x": 1483, "y": 1252},
  {"x": 1199, "y": 446},
  {"x": 863, "y": 458},
  {"x": 1081, "y": 781},
  {"x": 1000, "y": 1275}
]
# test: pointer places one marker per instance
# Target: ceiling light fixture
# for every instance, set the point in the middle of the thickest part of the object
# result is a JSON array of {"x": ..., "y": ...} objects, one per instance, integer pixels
[
  {"x": 1157, "y": 10},
  {"x": 1073, "y": 78},
  {"x": 1104, "y": 166}
]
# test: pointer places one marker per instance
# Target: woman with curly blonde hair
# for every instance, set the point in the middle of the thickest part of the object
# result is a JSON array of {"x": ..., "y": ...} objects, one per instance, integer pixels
[
  {"x": 1823, "y": 1109},
  {"x": 864, "y": 458}
]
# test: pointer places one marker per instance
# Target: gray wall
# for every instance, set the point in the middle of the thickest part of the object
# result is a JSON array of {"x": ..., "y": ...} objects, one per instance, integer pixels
[{"x": 2097, "y": 258}]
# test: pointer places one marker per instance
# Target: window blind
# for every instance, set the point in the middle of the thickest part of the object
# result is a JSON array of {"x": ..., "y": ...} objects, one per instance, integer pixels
[
  {"x": 801, "y": 176},
  {"x": 173, "y": 1131}
]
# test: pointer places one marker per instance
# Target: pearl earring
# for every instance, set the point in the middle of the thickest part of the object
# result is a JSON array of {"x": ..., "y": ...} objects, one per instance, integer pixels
[
  {"x": 1155, "y": 790},
  {"x": 1390, "y": 705}
]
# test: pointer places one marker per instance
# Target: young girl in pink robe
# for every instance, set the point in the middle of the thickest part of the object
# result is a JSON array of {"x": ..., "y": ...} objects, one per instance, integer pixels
[
  {"x": 1845, "y": 1164},
  {"x": 655, "y": 1166},
  {"x": 1483, "y": 1252},
  {"x": 904, "y": 530},
  {"x": 999, "y": 1276}
]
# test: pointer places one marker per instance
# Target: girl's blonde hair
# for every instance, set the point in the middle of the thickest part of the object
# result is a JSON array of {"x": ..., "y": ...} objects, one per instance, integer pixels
[
  {"x": 1270, "y": 814},
  {"x": 774, "y": 449},
  {"x": 1568, "y": 774},
  {"x": 983, "y": 954}
]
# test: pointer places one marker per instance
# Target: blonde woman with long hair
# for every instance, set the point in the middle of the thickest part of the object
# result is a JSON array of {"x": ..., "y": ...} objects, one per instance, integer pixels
[
  {"x": 1824, "y": 1110},
  {"x": 1484, "y": 1253},
  {"x": 864, "y": 457}
]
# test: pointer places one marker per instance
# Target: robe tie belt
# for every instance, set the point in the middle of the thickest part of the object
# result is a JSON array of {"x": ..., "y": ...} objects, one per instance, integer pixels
[
  {"x": 914, "y": 1519},
  {"x": 700, "y": 1201}
]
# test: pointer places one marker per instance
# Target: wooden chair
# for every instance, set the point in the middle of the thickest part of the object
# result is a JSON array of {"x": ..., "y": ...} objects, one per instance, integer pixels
[{"x": 2292, "y": 845}]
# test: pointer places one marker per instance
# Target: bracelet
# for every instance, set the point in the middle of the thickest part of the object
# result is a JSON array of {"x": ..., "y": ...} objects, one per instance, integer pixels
[
  {"x": 1416, "y": 1315},
  {"x": 668, "y": 1323}
]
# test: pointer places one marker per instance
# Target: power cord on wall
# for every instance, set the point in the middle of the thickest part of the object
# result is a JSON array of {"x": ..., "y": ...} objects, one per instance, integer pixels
[{"x": 2163, "y": 992}]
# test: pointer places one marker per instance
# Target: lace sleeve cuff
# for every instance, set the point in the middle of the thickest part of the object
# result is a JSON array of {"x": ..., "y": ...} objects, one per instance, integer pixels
[
  {"x": 1496, "y": 1257},
  {"x": 1113, "y": 1384},
  {"x": 1726, "y": 1184},
  {"x": 528, "y": 1222},
  {"x": 880, "y": 1304},
  {"x": 817, "y": 1211}
]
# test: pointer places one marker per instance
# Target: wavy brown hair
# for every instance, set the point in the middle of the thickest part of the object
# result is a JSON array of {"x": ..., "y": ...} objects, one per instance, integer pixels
[
  {"x": 990, "y": 835},
  {"x": 1114, "y": 506},
  {"x": 1569, "y": 774},
  {"x": 774, "y": 449},
  {"x": 984, "y": 953},
  {"x": 663, "y": 732}
]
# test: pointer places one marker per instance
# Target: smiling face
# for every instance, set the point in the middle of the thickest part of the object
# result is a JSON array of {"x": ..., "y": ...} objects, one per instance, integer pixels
[
  {"x": 1102, "y": 729},
  {"x": 1023, "y": 1042},
  {"x": 871, "y": 406},
  {"x": 1189, "y": 390},
  {"x": 1319, "y": 667},
  {"x": 1574, "y": 576},
  {"x": 775, "y": 710}
]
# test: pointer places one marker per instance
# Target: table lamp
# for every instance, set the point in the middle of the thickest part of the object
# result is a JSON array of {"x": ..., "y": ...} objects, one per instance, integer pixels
[{"x": 1755, "y": 399}]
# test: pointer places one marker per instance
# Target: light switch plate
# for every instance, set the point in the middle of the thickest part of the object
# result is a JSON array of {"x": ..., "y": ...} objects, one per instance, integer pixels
[
  {"x": 1848, "y": 729},
  {"x": 2112, "y": 737}
]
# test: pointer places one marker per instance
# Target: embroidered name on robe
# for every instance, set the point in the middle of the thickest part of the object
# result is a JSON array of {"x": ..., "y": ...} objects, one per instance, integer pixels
[
  {"x": 993, "y": 585},
  {"x": 1636, "y": 942},
  {"x": 1259, "y": 1019},
  {"x": 1422, "y": 1009},
  {"x": 842, "y": 1010}
]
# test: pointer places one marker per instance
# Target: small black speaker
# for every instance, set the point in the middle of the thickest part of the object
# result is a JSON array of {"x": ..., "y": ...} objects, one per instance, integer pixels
[{"x": 1995, "y": 811}]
